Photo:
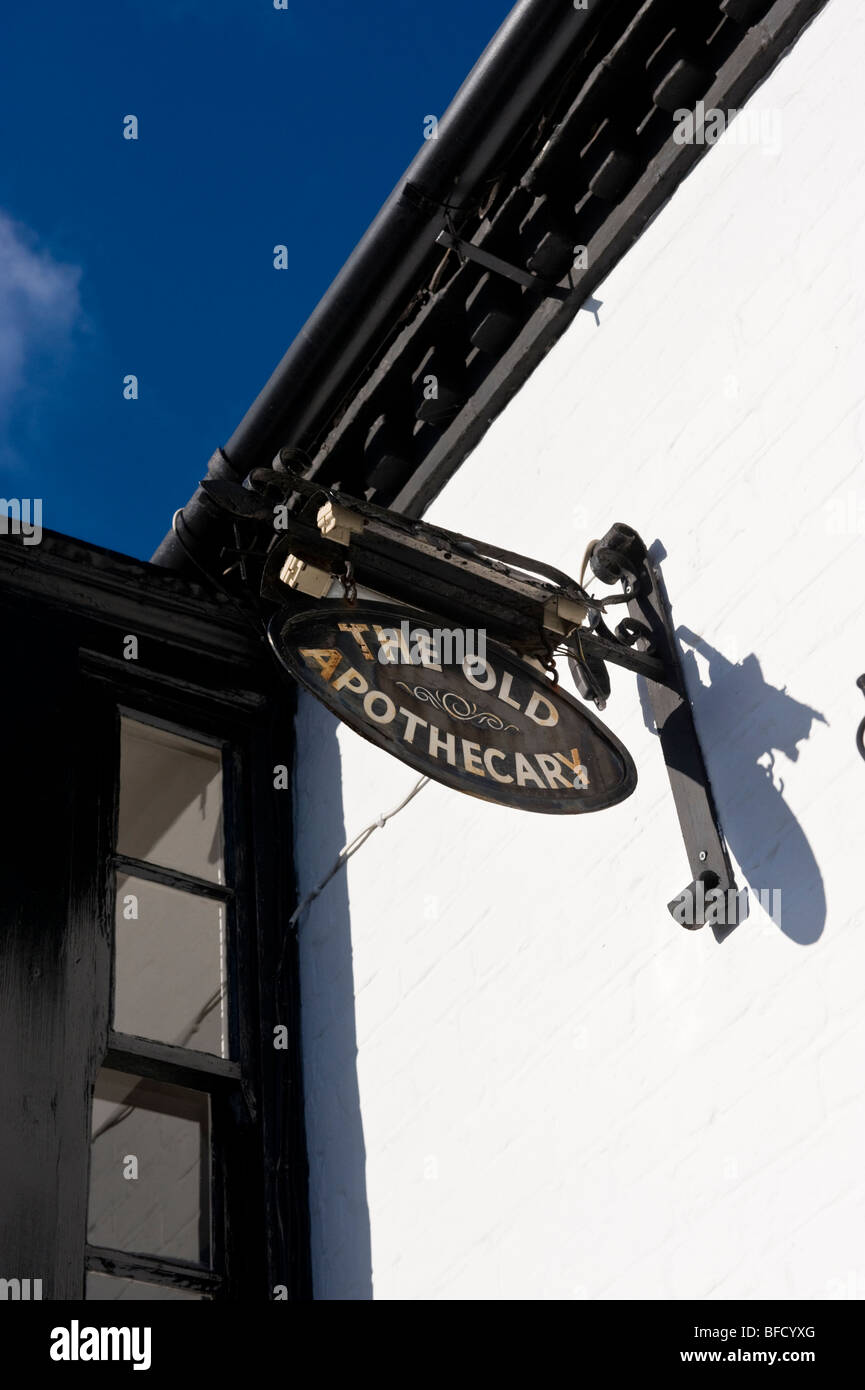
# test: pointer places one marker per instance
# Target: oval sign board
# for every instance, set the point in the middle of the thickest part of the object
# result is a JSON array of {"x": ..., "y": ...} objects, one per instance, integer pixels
[{"x": 490, "y": 725}]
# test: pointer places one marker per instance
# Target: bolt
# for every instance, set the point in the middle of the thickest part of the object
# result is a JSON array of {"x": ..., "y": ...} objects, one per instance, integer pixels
[{"x": 703, "y": 856}]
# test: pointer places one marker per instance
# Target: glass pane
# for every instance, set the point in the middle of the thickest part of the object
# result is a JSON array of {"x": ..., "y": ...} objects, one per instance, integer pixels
[
  {"x": 170, "y": 801},
  {"x": 169, "y": 966},
  {"x": 150, "y": 1168},
  {"x": 105, "y": 1286}
]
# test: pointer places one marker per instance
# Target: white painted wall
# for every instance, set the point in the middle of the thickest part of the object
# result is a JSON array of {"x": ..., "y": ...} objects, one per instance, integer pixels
[{"x": 561, "y": 1093}]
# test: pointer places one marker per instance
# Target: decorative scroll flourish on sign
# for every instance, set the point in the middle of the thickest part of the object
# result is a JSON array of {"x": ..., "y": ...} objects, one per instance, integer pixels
[{"x": 450, "y": 703}]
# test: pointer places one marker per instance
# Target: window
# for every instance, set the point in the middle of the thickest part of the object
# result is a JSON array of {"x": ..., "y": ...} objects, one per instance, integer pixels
[
  {"x": 170, "y": 801},
  {"x": 170, "y": 938},
  {"x": 150, "y": 1168},
  {"x": 150, "y": 973},
  {"x": 155, "y": 1195},
  {"x": 169, "y": 965}
]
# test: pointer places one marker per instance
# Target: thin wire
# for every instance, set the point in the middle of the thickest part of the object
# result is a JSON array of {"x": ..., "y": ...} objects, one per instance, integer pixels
[{"x": 352, "y": 848}]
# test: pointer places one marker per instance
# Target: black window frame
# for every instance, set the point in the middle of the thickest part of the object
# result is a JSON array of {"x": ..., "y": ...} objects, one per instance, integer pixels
[
  {"x": 68, "y": 608},
  {"x": 226, "y": 893},
  {"x": 233, "y": 1084}
]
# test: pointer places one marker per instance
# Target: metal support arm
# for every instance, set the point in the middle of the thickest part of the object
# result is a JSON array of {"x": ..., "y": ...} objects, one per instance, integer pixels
[{"x": 622, "y": 555}]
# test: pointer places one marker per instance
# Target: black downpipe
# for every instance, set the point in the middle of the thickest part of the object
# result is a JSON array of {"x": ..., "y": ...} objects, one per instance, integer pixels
[{"x": 343, "y": 331}]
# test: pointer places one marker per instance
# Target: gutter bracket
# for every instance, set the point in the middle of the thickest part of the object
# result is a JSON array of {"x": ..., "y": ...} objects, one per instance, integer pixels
[{"x": 469, "y": 251}]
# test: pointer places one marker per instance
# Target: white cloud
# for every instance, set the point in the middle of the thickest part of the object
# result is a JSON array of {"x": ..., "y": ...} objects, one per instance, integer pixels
[{"x": 39, "y": 306}]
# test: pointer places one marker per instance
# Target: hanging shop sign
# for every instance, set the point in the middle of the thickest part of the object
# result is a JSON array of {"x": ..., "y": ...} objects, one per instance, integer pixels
[
  {"x": 463, "y": 710},
  {"x": 491, "y": 726}
]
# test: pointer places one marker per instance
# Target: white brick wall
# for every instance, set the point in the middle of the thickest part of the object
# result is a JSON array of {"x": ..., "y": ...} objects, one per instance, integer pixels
[{"x": 557, "y": 1092}]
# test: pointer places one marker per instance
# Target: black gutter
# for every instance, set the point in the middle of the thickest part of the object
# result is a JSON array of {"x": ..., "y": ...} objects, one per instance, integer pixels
[{"x": 329, "y": 355}]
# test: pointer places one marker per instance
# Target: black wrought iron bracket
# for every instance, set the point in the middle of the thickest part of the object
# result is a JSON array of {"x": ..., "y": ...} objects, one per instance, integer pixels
[
  {"x": 320, "y": 537},
  {"x": 621, "y": 555}
]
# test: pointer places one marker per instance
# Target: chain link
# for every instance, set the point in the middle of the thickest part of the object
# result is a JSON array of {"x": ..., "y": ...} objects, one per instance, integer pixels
[{"x": 349, "y": 587}]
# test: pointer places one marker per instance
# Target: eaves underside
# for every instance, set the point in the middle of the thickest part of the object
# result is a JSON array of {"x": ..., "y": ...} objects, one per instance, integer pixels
[{"x": 605, "y": 170}]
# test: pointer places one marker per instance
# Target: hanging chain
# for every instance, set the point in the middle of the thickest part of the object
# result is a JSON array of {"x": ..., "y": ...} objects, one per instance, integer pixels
[{"x": 349, "y": 587}]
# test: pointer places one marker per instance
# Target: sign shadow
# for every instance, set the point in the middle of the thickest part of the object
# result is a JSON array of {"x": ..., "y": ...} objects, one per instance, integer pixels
[{"x": 744, "y": 722}]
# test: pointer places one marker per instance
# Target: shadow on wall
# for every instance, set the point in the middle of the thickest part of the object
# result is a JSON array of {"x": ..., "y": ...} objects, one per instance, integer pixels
[
  {"x": 339, "y": 1214},
  {"x": 743, "y": 722}
]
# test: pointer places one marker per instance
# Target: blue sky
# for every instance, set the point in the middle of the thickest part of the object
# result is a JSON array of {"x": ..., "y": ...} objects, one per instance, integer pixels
[{"x": 155, "y": 257}]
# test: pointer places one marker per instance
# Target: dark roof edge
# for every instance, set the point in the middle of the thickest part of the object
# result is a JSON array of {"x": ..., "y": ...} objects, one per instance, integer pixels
[
  {"x": 343, "y": 332},
  {"x": 78, "y": 576},
  {"x": 762, "y": 50}
]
